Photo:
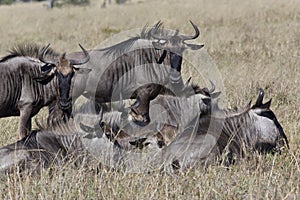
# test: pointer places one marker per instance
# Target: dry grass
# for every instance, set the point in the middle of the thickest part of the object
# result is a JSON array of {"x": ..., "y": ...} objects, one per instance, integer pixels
[{"x": 254, "y": 44}]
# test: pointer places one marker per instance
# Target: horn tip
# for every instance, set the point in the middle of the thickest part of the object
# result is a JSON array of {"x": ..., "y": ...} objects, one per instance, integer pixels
[{"x": 261, "y": 90}]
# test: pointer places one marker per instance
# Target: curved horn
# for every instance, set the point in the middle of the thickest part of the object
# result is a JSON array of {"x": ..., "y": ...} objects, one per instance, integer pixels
[
  {"x": 260, "y": 97},
  {"x": 213, "y": 87},
  {"x": 42, "y": 55},
  {"x": 136, "y": 103},
  {"x": 82, "y": 61},
  {"x": 197, "y": 33},
  {"x": 159, "y": 37},
  {"x": 86, "y": 128}
]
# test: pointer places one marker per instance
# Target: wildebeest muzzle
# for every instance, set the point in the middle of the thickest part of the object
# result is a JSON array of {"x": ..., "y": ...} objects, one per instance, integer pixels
[{"x": 64, "y": 89}]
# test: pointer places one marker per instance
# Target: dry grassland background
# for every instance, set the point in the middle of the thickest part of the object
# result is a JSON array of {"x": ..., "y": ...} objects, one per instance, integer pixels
[{"x": 254, "y": 44}]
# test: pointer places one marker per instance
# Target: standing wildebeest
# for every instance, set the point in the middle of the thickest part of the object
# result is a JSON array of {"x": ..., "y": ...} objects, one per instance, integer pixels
[
  {"x": 202, "y": 141},
  {"x": 139, "y": 66},
  {"x": 29, "y": 84}
]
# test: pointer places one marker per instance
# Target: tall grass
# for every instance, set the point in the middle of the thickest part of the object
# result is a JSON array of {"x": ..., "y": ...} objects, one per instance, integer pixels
[{"x": 254, "y": 44}]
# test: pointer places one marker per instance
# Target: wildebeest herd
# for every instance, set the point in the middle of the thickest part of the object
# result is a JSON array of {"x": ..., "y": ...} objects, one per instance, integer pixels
[{"x": 171, "y": 124}]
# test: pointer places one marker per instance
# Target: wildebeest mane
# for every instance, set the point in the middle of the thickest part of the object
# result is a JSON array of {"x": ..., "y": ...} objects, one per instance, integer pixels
[
  {"x": 124, "y": 46},
  {"x": 120, "y": 48},
  {"x": 236, "y": 137},
  {"x": 237, "y": 111},
  {"x": 28, "y": 50},
  {"x": 60, "y": 127}
]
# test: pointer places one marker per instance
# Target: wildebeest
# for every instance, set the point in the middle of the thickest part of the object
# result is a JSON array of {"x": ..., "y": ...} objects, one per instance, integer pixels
[
  {"x": 138, "y": 67},
  {"x": 202, "y": 141},
  {"x": 33, "y": 78},
  {"x": 230, "y": 132}
]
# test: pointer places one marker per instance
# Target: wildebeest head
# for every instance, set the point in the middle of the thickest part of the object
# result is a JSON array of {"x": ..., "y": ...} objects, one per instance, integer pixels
[
  {"x": 63, "y": 69},
  {"x": 175, "y": 44},
  {"x": 267, "y": 123}
]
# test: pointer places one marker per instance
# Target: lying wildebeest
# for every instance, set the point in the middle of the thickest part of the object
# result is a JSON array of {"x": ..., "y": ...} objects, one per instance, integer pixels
[
  {"x": 233, "y": 132},
  {"x": 138, "y": 67},
  {"x": 28, "y": 84},
  {"x": 209, "y": 135},
  {"x": 200, "y": 142}
]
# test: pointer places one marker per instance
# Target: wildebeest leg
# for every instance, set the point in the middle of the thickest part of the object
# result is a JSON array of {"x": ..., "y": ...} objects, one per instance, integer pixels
[
  {"x": 140, "y": 109},
  {"x": 25, "y": 120}
]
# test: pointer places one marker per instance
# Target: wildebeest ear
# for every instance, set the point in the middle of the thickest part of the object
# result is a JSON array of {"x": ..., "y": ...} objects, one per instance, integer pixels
[
  {"x": 215, "y": 95},
  {"x": 86, "y": 128},
  {"x": 46, "y": 68},
  {"x": 266, "y": 105},
  {"x": 44, "y": 79},
  {"x": 82, "y": 70},
  {"x": 195, "y": 46}
]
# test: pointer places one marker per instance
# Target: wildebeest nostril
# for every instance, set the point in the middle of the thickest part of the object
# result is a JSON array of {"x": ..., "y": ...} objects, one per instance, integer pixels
[{"x": 65, "y": 104}]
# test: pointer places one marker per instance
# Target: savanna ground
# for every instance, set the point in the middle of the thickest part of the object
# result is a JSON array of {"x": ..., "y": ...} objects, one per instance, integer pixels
[{"x": 253, "y": 43}]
